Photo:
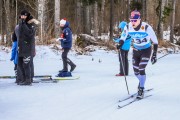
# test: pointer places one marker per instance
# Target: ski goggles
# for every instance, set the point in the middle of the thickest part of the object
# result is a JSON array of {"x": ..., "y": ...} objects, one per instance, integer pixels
[{"x": 133, "y": 20}]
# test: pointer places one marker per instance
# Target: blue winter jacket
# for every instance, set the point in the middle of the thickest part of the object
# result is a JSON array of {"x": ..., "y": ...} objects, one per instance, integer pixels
[
  {"x": 14, "y": 53},
  {"x": 127, "y": 42},
  {"x": 66, "y": 41}
]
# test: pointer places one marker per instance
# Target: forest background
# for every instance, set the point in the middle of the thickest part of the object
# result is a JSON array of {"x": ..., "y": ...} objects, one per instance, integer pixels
[{"x": 92, "y": 17}]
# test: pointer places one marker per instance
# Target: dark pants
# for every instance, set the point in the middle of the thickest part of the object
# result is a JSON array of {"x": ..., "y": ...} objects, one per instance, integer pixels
[
  {"x": 15, "y": 71},
  {"x": 123, "y": 62},
  {"x": 32, "y": 68},
  {"x": 140, "y": 60},
  {"x": 24, "y": 69},
  {"x": 66, "y": 60}
]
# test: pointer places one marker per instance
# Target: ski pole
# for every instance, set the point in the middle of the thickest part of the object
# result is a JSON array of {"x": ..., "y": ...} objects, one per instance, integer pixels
[
  {"x": 123, "y": 70},
  {"x": 162, "y": 56}
]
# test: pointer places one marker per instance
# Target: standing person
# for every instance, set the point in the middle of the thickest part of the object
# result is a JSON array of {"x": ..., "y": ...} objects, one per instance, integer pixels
[
  {"x": 32, "y": 23},
  {"x": 123, "y": 51},
  {"x": 141, "y": 33},
  {"x": 66, "y": 44},
  {"x": 25, "y": 34},
  {"x": 14, "y": 54}
]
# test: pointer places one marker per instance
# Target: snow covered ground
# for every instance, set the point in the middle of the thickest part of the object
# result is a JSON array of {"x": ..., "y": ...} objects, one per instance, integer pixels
[{"x": 95, "y": 95}]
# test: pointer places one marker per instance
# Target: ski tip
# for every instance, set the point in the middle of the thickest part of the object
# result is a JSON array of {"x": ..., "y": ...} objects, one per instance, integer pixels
[
  {"x": 119, "y": 107},
  {"x": 55, "y": 81}
]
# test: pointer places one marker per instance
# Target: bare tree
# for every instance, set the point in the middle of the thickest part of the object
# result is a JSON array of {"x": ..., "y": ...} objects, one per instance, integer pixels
[
  {"x": 160, "y": 22},
  {"x": 56, "y": 17},
  {"x": 144, "y": 9},
  {"x": 41, "y": 11},
  {"x": 1, "y": 7},
  {"x": 111, "y": 18},
  {"x": 172, "y": 21},
  {"x": 102, "y": 16},
  {"x": 96, "y": 19},
  {"x": 8, "y": 28},
  {"x": 87, "y": 18},
  {"x": 79, "y": 15},
  {"x": 16, "y": 11},
  {"x": 129, "y": 10}
]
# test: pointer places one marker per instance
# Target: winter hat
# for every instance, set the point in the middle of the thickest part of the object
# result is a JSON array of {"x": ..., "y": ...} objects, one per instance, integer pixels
[
  {"x": 122, "y": 25},
  {"x": 63, "y": 21},
  {"x": 25, "y": 12},
  {"x": 135, "y": 15}
]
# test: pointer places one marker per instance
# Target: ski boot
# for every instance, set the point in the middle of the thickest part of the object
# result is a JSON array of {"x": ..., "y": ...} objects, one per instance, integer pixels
[
  {"x": 140, "y": 93},
  {"x": 26, "y": 82},
  {"x": 63, "y": 70},
  {"x": 119, "y": 74},
  {"x": 72, "y": 68}
]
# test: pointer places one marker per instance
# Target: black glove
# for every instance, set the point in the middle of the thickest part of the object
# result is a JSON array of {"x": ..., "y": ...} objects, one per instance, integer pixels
[
  {"x": 118, "y": 46},
  {"x": 154, "y": 58}
]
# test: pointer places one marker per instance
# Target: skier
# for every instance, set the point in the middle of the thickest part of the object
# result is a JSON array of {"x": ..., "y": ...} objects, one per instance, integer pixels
[
  {"x": 25, "y": 35},
  {"x": 141, "y": 33},
  {"x": 123, "y": 51},
  {"x": 66, "y": 44},
  {"x": 14, "y": 54}
]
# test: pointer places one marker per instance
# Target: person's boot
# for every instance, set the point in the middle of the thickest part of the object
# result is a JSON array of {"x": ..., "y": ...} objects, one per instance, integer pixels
[
  {"x": 72, "y": 67},
  {"x": 63, "y": 70},
  {"x": 65, "y": 66},
  {"x": 119, "y": 74},
  {"x": 27, "y": 82},
  {"x": 140, "y": 94}
]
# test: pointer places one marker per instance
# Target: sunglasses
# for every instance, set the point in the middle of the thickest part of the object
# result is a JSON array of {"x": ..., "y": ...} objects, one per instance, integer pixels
[{"x": 133, "y": 20}]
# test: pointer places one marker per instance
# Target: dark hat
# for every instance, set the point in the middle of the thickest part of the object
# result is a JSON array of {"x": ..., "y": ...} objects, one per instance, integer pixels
[{"x": 25, "y": 12}]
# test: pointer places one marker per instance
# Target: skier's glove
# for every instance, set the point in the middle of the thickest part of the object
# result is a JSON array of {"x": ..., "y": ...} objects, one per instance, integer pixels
[
  {"x": 154, "y": 58},
  {"x": 118, "y": 46}
]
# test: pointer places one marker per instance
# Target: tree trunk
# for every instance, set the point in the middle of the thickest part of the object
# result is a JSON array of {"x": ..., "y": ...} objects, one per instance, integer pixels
[
  {"x": 41, "y": 9},
  {"x": 16, "y": 12},
  {"x": 92, "y": 19},
  {"x": 160, "y": 23},
  {"x": 144, "y": 10},
  {"x": 87, "y": 20},
  {"x": 111, "y": 18},
  {"x": 8, "y": 26},
  {"x": 1, "y": 21},
  {"x": 102, "y": 30},
  {"x": 172, "y": 22},
  {"x": 56, "y": 18},
  {"x": 129, "y": 10},
  {"x": 96, "y": 20},
  {"x": 79, "y": 15}
]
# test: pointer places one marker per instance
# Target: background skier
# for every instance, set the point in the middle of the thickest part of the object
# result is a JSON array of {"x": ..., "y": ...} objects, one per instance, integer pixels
[
  {"x": 14, "y": 54},
  {"x": 123, "y": 51}
]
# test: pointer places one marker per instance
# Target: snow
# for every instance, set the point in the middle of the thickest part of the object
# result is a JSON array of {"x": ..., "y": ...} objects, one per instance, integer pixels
[{"x": 95, "y": 95}]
